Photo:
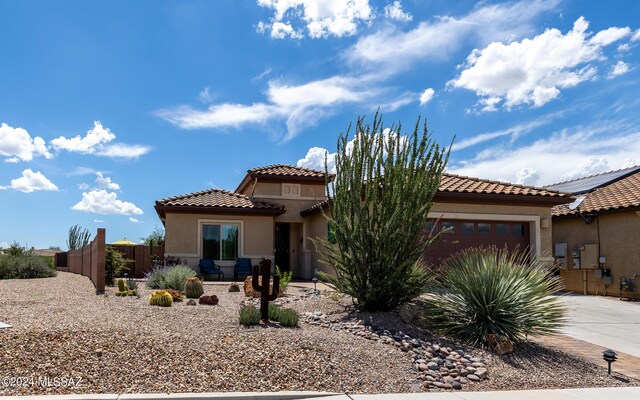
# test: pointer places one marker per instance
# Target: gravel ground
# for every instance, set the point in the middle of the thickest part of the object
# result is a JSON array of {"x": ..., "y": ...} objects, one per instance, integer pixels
[{"x": 59, "y": 324}]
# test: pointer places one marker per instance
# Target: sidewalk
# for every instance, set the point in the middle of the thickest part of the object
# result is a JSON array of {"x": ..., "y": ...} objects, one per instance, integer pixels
[{"x": 627, "y": 393}]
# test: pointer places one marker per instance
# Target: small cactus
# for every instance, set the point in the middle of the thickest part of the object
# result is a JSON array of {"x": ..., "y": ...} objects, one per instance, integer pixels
[
  {"x": 265, "y": 296},
  {"x": 234, "y": 287},
  {"x": 161, "y": 298},
  {"x": 193, "y": 288},
  {"x": 121, "y": 286}
]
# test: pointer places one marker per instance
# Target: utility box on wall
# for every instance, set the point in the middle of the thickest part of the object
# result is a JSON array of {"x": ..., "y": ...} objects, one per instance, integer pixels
[{"x": 589, "y": 255}]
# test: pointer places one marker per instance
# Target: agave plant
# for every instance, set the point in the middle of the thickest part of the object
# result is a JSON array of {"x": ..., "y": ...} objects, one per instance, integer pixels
[{"x": 491, "y": 291}]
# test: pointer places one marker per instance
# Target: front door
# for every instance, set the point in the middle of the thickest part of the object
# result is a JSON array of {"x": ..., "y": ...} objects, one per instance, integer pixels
[{"x": 282, "y": 247}]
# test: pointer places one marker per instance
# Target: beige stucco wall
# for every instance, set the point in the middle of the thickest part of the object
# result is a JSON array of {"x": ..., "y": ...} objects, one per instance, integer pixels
[
  {"x": 619, "y": 243},
  {"x": 183, "y": 237}
]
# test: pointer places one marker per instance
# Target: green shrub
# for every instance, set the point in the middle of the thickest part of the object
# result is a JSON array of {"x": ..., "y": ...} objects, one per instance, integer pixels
[
  {"x": 273, "y": 311},
  {"x": 380, "y": 197},
  {"x": 249, "y": 315},
  {"x": 178, "y": 275},
  {"x": 172, "y": 277},
  {"x": 285, "y": 278},
  {"x": 287, "y": 317},
  {"x": 114, "y": 265},
  {"x": 490, "y": 291},
  {"x": 24, "y": 266}
]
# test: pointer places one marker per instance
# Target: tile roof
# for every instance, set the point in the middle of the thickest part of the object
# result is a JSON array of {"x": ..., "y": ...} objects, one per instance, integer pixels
[
  {"x": 218, "y": 198},
  {"x": 620, "y": 194},
  {"x": 451, "y": 183},
  {"x": 286, "y": 170}
]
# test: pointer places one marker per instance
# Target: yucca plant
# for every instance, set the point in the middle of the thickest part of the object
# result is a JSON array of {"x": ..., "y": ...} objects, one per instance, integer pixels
[{"x": 491, "y": 291}]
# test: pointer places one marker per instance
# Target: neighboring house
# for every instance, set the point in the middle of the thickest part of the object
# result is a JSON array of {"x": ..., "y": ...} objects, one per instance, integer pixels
[
  {"x": 597, "y": 237},
  {"x": 276, "y": 209}
]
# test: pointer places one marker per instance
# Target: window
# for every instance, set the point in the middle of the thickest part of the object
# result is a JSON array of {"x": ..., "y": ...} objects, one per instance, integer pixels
[
  {"x": 429, "y": 225},
  {"x": 220, "y": 242},
  {"x": 484, "y": 228},
  {"x": 290, "y": 190},
  {"x": 467, "y": 228},
  {"x": 518, "y": 230},
  {"x": 502, "y": 229},
  {"x": 448, "y": 227}
]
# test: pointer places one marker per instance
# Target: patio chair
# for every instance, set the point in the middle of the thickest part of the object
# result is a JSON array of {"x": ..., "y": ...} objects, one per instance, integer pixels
[
  {"x": 242, "y": 267},
  {"x": 208, "y": 267}
]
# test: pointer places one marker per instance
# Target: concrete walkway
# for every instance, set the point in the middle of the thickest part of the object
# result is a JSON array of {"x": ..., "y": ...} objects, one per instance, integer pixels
[
  {"x": 604, "y": 321},
  {"x": 560, "y": 394}
]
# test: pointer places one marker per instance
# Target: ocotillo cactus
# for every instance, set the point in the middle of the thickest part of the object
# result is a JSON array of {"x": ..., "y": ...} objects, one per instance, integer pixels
[{"x": 265, "y": 296}]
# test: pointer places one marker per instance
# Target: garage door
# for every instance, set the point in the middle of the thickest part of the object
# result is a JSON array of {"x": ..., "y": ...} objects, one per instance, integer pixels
[{"x": 461, "y": 234}]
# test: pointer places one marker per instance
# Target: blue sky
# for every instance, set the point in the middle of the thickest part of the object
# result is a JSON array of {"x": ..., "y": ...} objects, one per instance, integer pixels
[{"x": 107, "y": 106}]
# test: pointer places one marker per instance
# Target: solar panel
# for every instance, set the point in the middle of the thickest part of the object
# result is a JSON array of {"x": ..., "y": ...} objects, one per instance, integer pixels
[{"x": 588, "y": 184}]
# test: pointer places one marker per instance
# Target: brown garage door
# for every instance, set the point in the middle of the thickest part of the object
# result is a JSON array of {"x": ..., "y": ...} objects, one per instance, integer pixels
[{"x": 463, "y": 234}]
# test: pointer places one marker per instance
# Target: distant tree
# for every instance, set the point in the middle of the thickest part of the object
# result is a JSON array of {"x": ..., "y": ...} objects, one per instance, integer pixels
[
  {"x": 380, "y": 198},
  {"x": 155, "y": 238},
  {"x": 54, "y": 248},
  {"x": 78, "y": 237}
]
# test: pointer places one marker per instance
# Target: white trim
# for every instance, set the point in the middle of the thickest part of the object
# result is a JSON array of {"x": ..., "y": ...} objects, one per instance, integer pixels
[
  {"x": 238, "y": 222},
  {"x": 534, "y": 227},
  {"x": 291, "y": 186}
]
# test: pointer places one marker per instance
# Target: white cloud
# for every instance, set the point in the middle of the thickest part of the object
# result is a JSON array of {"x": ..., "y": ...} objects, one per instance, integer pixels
[
  {"x": 590, "y": 166},
  {"x": 609, "y": 35},
  {"x": 438, "y": 40},
  {"x": 620, "y": 68},
  {"x": 4, "y": 245},
  {"x": 103, "y": 202},
  {"x": 527, "y": 176},
  {"x": 571, "y": 152},
  {"x": 426, "y": 96},
  {"x": 84, "y": 186},
  {"x": 134, "y": 220},
  {"x": 205, "y": 96},
  {"x": 121, "y": 150},
  {"x": 315, "y": 159},
  {"x": 262, "y": 75},
  {"x": 98, "y": 221},
  {"x": 94, "y": 142},
  {"x": 104, "y": 182},
  {"x": 95, "y": 137},
  {"x": 636, "y": 36},
  {"x": 395, "y": 12},
  {"x": 514, "y": 131},
  {"x": 17, "y": 145},
  {"x": 32, "y": 181},
  {"x": 532, "y": 71},
  {"x": 322, "y": 18},
  {"x": 298, "y": 105}
]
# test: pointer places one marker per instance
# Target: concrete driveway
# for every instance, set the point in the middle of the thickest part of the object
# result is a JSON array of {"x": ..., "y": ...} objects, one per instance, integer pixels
[{"x": 604, "y": 321}]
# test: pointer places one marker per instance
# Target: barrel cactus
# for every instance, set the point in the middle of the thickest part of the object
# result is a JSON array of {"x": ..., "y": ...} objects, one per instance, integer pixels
[
  {"x": 193, "y": 288},
  {"x": 161, "y": 298},
  {"x": 234, "y": 287},
  {"x": 121, "y": 286}
]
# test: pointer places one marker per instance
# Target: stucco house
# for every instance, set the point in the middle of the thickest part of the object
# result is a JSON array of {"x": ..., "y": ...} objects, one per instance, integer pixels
[
  {"x": 276, "y": 209},
  {"x": 597, "y": 237}
]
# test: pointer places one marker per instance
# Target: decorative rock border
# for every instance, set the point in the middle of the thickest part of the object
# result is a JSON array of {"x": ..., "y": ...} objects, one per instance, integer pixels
[{"x": 438, "y": 366}]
